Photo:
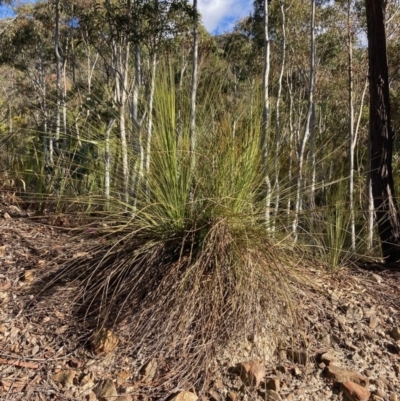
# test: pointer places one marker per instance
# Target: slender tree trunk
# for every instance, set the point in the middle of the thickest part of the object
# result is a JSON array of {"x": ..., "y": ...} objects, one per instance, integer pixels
[
  {"x": 64, "y": 103},
  {"x": 107, "y": 163},
  {"x": 121, "y": 69},
  {"x": 277, "y": 115},
  {"x": 194, "y": 89},
  {"x": 381, "y": 134},
  {"x": 313, "y": 158},
  {"x": 137, "y": 171},
  {"x": 307, "y": 130},
  {"x": 58, "y": 74},
  {"x": 153, "y": 63},
  {"x": 351, "y": 127},
  {"x": 264, "y": 134},
  {"x": 291, "y": 141}
]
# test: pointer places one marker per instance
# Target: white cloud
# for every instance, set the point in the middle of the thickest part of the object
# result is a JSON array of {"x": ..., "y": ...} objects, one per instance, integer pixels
[{"x": 220, "y": 15}]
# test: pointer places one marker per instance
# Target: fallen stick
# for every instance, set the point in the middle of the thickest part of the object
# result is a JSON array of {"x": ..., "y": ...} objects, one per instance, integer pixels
[{"x": 20, "y": 364}]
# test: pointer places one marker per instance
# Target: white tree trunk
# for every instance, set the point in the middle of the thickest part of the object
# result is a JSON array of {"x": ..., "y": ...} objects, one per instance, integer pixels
[
  {"x": 351, "y": 128},
  {"x": 153, "y": 63},
  {"x": 307, "y": 131},
  {"x": 194, "y": 89},
  {"x": 264, "y": 134},
  {"x": 277, "y": 116},
  {"x": 58, "y": 74},
  {"x": 107, "y": 163}
]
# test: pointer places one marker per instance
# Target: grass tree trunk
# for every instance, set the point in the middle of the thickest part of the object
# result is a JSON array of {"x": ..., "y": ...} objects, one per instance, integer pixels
[
  {"x": 381, "y": 134},
  {"x": 194, "y": 88},
  {"x": 264, "y": 134},
  {"x": 307, "y": 130}
]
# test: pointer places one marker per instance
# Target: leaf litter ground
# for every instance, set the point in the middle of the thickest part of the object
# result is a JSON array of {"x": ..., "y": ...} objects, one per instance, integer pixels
[{"x": 45, "y": 352}]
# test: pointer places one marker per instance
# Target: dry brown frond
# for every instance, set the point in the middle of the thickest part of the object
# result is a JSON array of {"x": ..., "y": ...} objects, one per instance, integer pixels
[{"x": 183, "y": 299}]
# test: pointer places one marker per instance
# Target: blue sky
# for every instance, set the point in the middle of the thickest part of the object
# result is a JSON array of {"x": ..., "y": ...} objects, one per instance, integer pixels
[{"x": 220, "y": 15}]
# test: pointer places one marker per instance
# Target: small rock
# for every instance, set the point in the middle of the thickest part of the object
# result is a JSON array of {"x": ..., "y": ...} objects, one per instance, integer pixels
[
  {"x": 35, "y": 350},
  {"x": 350, "y": 346},
  {"x": 251, "y": 373},
  {"x": 341, "y": 375},
  {"x": 395, "y": 333},
  {"x": 106, "y": 390},
  {"x": 377, "y": 278},
  {"x": 149, "y": 370},
  {"x": 297, "y": 371},
  {"x": 86, "y": 382},
  {"x": 75, "y": 363},
  {"x": 231, "y": 396},
  {"x": 104, "y": 341},
  {"x": 65, "y": 377},
  {"x": 272, "y": 395},
  {"x": 219, "y": 385},
  {"x": 328, "y": 357},
  {"x": 274, "y": 384},
  {"x": 355, "y": 392},
  {"x": 29, "y": 276},
  {"x": 380, "y": 392},
  {"x": 393, "y": 397},
  {"x": 214, "y": 396},
  {"x": 185, "y": 396},
  {"x": 374, "y": 322},
  {"x": 376, "y": 398},
  {"x": 6, "y": 215}
]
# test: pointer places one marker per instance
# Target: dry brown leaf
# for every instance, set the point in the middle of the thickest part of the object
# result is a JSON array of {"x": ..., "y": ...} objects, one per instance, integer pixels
[
  {"x": 104, "y": 341},
  {"x": 29, "y": 276},
  {"x": 21, "y": 364},
  {"x": 2, "y": 250},
  {"x": 5, "y": 286},
  {"x": 13, "y": 386},
  {"x": 35, "y": 350}
]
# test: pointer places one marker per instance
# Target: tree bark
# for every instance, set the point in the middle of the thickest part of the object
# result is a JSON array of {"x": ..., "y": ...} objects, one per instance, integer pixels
[
  {"x": 309, "y": 122},
  {"x": 264, "y": 134},
  {"x": 381, "y": 134},
  {"x": 193, "y": 93}
]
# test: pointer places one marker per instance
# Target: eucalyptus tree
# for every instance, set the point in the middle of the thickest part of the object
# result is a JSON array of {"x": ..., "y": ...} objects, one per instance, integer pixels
[
  {"x": 308, "y": 124},
  {"x": 26, "y": 46},
  {"x": 381, "y": 134},
  {"x": 194, "y": 86}
]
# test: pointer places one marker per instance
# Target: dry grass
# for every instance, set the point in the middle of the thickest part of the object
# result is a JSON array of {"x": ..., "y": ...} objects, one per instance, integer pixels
[{"x": 185, "y": 298}]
